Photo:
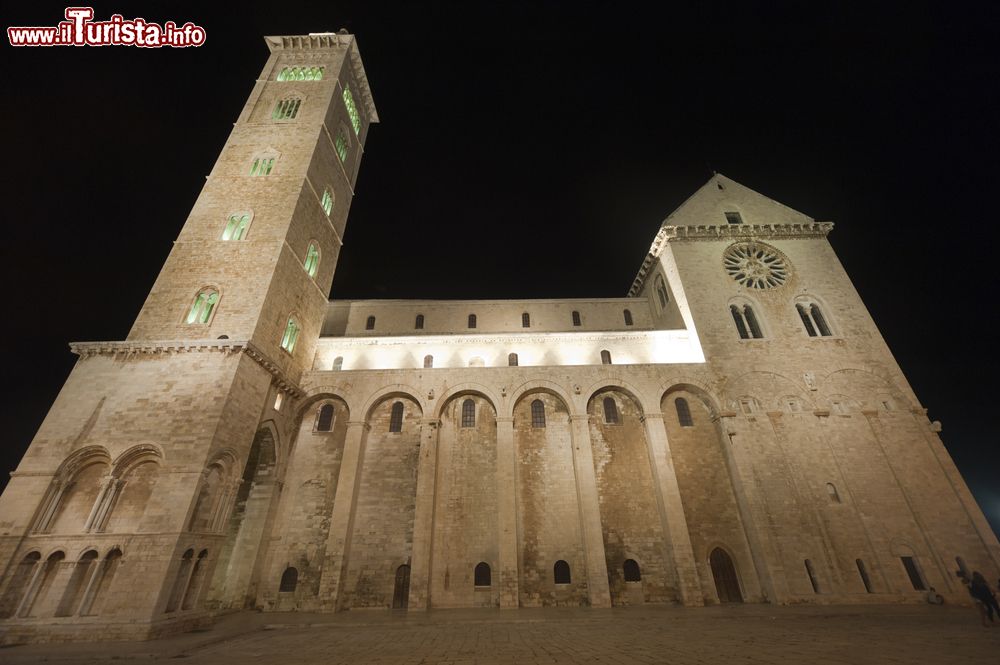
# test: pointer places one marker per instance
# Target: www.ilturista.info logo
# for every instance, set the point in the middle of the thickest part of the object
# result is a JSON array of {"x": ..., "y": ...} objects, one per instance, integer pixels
[{"x": 80, "y": 30}]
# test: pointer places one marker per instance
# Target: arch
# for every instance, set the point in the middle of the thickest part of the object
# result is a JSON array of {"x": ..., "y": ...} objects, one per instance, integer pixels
[
  {"x": 631, "y": 571},
  {"x": 18, "y": 583},
  {"x": 727, "y": 581},
  {"x": 237, "y": 225},
  {"x": 661, "y": 292},
  {"x": 289, "y": 580},
  {"x": 370, "y": 323},
  {"x": 482, "y": 576},
  {"x": 291, "y": 334},
  {"x": 327, "y": 200},
  {"x": 561, "y": 573},
  {"x": 73, "y": 593},
  {"x": 42, "y": 584},
  {"x": 180, "y": 581},
  {"x": 311, "y": 263},
  {"x": 78, "y": 497},
  {"x": 98, "y": 588},
  {"x": 204, "y": 306},
  {"x": 619, "y": 386},
  {"x": 324, "y": 417},
  {"x": 814, "y": 315},
  {"x": 311, "y": 404},
  {"x": 401, "y": 588},
  {"x": 399, "y": 391},
  {"x": 540, "y": 385},
  {"x": 468, "y": 388},
  {"x": 692, "y": 387},
  {"x": 193, "y": 591},
  {"x": 831, "y": 491},
  {"x": 125, "y": 500}
]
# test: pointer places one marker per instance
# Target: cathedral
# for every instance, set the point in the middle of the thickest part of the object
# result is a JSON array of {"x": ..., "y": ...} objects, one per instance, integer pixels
[{"x": 733, "y": 429}]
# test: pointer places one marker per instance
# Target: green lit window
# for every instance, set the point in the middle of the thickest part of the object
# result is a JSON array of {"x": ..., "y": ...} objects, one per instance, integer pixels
[
  {"x": 312, "y": 259},
  {"x": 204, "y": 304},
  {"x": 301, "y": 74},
  {"x": 236, "y": 227},
  {"x": 327, "y": 201},
  {"x": 291, "y": 335},
  {"x": 342, "y": 145},
  {"x": 352, "y": 110},
  {"x": 286, "y": 109},
  {"x": 262, "y": 166}
]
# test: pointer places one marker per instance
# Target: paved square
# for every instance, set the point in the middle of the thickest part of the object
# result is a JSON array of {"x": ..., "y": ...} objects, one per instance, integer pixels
[{"x": 731, "y": 634}]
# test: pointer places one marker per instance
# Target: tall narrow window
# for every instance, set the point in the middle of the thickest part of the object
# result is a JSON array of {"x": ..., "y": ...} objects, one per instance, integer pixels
[
  {"x": 324, "y": 423},
  {"x": 428, "y": 362},
  {"x": 831, "y": 491},
  {"x": 291, "y": 335},
  {"x": 396, "y": 418},
  {"x": 419, "y": 323},
  {"x": 352, "y": 110},
  {"x": 338, "y": 363},
  {"x": 286, "y": 109},
  {"x": 261, "y": 166},
  {"x": 913, "y": 572},
  {"x": 537, "y": 413},
  {"x": 610, "y": 411},
  {"x": 631, "y": 570},
  {"x": 203, "y": 306},
  {"x": 327, "y": 201},
  {"x": 628, "y": 317},
  {"x": 236, "y": 227},
  {"x": 312, "y": 260},
  {"x": 468, "y": 413},
  {"x": 341, "y": 144},
  {"x": 481, "y": 575},
  {"x": 864, "y": 575},
  {"x": 525, "y": 320},
  {"x": 605, "y": 357},
  {"x": 734, "y": 218},
  {"x": 576, "y": 318},
  {"x": 560, "y": 572},
  {"x": 820, "y": 320},
  {"x": 683, "y": 412},
  {"x": 472, "y": 320},
  {"x": 661, "y": 291},
  {"x": 812, "y": 576},
  {"x": 807, "y": 320},
  {"x": 741, "y": 326},
  {"x": 511, "y": 360},
  {"x": 752, "y": 323},
  {"x": 370, "y": 323}
]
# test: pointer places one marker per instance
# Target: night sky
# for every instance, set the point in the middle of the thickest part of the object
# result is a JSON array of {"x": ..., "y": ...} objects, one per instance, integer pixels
[{"x": 531, "y": 151}]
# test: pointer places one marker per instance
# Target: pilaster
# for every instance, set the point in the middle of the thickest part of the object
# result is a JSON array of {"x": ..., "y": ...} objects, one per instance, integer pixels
[
  {"x": 423, "y": 517},
  {"x": 507, "y": 513},
  {"x": 590, "y": 513}
]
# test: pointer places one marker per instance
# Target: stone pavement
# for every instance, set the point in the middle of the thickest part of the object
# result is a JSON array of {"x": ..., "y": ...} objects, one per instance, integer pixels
[{"x": 822, "y": 635}]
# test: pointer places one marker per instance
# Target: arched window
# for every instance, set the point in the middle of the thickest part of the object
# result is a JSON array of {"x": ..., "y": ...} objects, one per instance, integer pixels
[
  {"x": 605, "y": 357},
  {"x": 396, "y": 418},
  {"x": 291, "y": 335},
  {"x": 576, "y": 319},
  {"x": 628, "y": 317},
  {"x": 286, "y": 109},
  {"x": 537, "y": 413},
  {"x": 610, "y": 411},
  {"x": 525, "y": 320},
  {"x": 483, "y": 575},
  {"x": 511, "y": 360},
  {"x": 312, "y": 260},
  {"x": 300, "y": 74},
  {"x": 289, "y": 580},
  {"x": 813, "y": 320},
  {"x": 75, "y": 586},
  {"x": 428, "y": 361},
  {"x": 683, "y": 412},
  {"x": 352, "y": 110},
  {"x": 864, "y": 575},
  {"x": 203, "y": 306},
  {"x": 831, "y": 491},
  {"x": 468, "y": 413},
  {"x": 419, "y": 323},
  {"x": 661, "y": 292},
  {"x": 560, "y": 572},
  {"x": 746, "y": 322},
  {"x": 631, "y": 570},
  {"x": 342, "y": 144},
  {"x": 327, "y": 201},
  {"x": 472, "y": 320},
  {"x": 261, "y": 166},
  {"x": 913, "y": 572},
  {"x": 338, "y": 363},
  {"x": 812, "y": 575},
  {"x": 19, "y": 578},
  {"x": 190, "y": 598},
  {"x": 236, "y": 227},
  {"x": 370, "y": 323},
  {"x": 324, "y": 423}
]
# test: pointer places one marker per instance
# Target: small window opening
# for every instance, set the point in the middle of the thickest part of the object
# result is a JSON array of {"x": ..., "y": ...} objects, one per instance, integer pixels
[
  {"x": 576, "y": 319},
  {"x": 631, "y": 570},
  {"x": 525, "y": 320},
  {"x": 560, "y": 572},
  {"x": 831, "y": 491},
  {"x": 396, "y": 418},
  {"x": 472, "y": 320},
  {"x": 482, "y": 574},
  {"x": 278, "y": 401},
  {"x": 327, "y": 202},
  {"x": 289, "y": 580},
  {"x": 262, "y": 166},
  {"x": 428, "y": 362},
  {"x": 512, "y": 360},
  {"x": 370, "y": 323},
  {"x": 236, "y": 227},
  {"x": 863, "y": 572},
  {"x": 537, "y": 413},
  {"x": 419, "y": 323},
  {"x": 325, "y": 421},
  {"x": 628, "y": 317},
  {"x": 812, "y": 576},
  {"x": 291, "y": 335},
  {"x": 610, "y": 411},
  {"x": 338, "y": 363},
  {"x": 683, "y": 412},
  {"x": 916, "y": 579},
  {"x": 468, "y": 413},
  {"x": 733, "y": 218},
  {"x": 605, "y": 357}
]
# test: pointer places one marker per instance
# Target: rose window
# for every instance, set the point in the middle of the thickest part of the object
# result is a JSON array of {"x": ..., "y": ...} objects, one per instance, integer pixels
[{"x": 756, "y": 265}]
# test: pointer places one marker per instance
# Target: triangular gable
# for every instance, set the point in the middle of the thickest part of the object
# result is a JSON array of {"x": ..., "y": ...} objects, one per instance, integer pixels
[{"x": 708, "y": 206}]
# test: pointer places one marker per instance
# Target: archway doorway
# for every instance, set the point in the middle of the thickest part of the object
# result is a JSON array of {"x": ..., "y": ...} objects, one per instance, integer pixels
[
  {"x": 401, "y": 592},
  {"x": 727, "y": 585}
]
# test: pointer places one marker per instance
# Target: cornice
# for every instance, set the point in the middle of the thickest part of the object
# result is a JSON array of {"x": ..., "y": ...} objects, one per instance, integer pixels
[
  {"x": 668, "y": 234},
  {"x": 134, "y": 348},
  {"x": 505, "y": 339}
]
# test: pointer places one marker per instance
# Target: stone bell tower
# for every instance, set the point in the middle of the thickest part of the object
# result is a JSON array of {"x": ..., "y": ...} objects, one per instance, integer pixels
[{"x": 131, "y": 506}]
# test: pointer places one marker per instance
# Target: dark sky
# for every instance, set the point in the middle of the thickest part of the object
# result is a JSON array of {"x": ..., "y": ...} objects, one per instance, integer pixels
[{"x": 532, "y": 150}]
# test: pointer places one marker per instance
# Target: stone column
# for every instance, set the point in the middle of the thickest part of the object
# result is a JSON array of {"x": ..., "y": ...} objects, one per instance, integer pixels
[
  {"x": 507, "y": 513},
  {"x": 590, "y": 513},
  {"x": 338, "y": 543},
  {"x": 672, "y": 518},
  {"x": 422, "y": 555}
]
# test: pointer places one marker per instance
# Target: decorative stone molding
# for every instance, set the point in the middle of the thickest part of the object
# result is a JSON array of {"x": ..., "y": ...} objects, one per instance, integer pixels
[
  {"x": 503, "y": 340},
  {"x": 132, "y": 349},
  {"x": 723, "y": 232}
]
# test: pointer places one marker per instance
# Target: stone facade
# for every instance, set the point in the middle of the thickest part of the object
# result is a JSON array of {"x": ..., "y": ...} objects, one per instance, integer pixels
[{"x": 734, "y": 429}]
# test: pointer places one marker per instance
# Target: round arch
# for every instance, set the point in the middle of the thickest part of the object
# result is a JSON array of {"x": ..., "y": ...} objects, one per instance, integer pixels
[
  {"x": 319, "y": 395},
  {"x": 697, "y": 389},
  {"x": 617, "y": 384},
  {"x": 135, "y": 456},
  {"x": 388, "y": 392},
  {"x": 82, "y": 458},
  {"x": 467, "y": 389},
  {"x": 538, "y": 386}
]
